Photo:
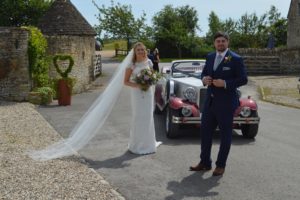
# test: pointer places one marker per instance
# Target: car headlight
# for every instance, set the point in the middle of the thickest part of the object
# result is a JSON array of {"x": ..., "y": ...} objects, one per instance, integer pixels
[
  {"x": 245, "y": 112},
  {"x": 190, "y": 94},
  {"x": 186, "y": 111}
]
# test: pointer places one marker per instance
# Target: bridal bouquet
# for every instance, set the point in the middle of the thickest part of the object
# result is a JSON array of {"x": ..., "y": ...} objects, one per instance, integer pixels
[{"x": 146, "y": 78}]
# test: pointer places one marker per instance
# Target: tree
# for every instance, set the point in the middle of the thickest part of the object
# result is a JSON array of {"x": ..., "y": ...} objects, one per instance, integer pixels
[
  {"x": 22, "y": 12},
  {"x": 118, "y": 22},
  {"x": 248, "y": 29},
  {"x": 279, "y": 30},
  {"x": 251, "y": 31},
  {"x": 175, "y": 27},
  {"x": 277, "y": 26},
  {"x": 229, "y": 26},
  {"x": 215, "y": 25},
  {"x": 273, "y": 15}
]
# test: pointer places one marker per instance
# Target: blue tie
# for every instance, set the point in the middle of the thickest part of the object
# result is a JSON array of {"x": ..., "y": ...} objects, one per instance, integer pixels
[{"x": 217, "y": 61}]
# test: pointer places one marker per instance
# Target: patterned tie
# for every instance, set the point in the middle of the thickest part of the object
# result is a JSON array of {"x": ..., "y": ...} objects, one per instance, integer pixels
[{"x": 217, "y": 61}]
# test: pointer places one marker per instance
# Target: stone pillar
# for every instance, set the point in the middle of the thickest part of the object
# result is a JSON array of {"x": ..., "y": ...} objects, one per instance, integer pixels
[{"x": 14, "y": 75}]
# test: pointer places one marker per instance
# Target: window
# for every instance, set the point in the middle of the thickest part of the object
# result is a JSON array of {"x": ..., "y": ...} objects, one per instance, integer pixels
[{"x": 298, "y": 9}]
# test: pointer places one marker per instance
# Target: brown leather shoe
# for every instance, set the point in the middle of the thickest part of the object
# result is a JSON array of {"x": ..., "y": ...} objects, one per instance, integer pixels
[
  {"x": 219, "y": 171},
  {"x": 200, "y": 167}
]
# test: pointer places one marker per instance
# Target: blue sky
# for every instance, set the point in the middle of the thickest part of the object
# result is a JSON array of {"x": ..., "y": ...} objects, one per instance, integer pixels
[{"x": 223, "y": 8}]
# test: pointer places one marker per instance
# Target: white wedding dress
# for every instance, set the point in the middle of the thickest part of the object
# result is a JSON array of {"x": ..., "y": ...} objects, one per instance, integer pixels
[
  {"x": 142, "y": 133},
  {"x": 142, "y": 137}
]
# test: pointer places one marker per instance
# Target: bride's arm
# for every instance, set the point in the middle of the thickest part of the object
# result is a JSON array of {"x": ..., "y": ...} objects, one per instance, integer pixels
[{"x": 127, "y": 81}]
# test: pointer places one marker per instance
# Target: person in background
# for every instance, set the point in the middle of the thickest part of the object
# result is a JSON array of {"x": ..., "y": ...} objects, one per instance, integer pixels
[
  {"x": 156, "y": 60},
  {"x": 150, "y": 55}
]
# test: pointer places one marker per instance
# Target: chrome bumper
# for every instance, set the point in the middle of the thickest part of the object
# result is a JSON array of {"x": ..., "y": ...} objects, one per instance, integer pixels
[{"x": 197, "y": 120}]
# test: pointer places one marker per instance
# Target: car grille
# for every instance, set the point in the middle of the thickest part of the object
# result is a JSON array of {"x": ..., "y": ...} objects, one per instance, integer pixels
[{"x": 202, "y": 98}]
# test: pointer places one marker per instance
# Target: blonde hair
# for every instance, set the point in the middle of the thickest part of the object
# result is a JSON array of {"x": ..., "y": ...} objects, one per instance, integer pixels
[{"x": 135, "y": 47}]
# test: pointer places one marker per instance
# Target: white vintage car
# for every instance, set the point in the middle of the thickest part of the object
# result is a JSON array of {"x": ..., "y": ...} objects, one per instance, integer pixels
[{"x": 180, "y": 95}]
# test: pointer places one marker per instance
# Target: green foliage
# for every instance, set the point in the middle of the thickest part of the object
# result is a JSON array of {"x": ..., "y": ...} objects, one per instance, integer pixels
[
  {"x": 175, "y": 30},
  {"x": 64, "y": 74},
  {"x": 118, "y": 22},
  {"x": 279, "y": 31},
  {"x": 250, "y": 31},
  {"x": 203, "y": 50},
  {"x": 70, "y": 83},
  {"x": 215, "y": 25},
  {"x": 38, "y": 61},
  {"x": 117, "y": 46},
  {"x": 22, "y": 12},
  {"x": 46, "y": 94},
  {"x": 109, "y": 44},
  {"x": 56, "y": 58}
]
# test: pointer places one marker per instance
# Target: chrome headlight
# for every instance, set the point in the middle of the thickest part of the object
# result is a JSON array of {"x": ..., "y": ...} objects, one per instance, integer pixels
[
  {"x": 190, "y": 94},
  {"x": 245, "y": 112},
  {"x": 186, "y": 111}
]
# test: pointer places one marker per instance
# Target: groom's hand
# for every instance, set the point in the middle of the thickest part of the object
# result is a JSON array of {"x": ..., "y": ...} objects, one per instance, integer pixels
[
  {"x": 207, "y": 80},
  {"x": 218, "y": 83}
]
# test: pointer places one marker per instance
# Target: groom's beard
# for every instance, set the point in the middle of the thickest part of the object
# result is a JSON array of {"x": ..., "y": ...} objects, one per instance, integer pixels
[{"x": 221, "y": 48}]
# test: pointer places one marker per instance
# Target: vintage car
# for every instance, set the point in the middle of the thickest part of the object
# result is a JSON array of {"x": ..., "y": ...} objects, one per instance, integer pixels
[{"x": 180, "y": 95}]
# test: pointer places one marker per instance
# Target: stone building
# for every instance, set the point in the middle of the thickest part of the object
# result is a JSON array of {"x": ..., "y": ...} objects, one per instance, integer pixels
[
  {"x": 67, "y": 32},
  {"x": 14, "y": 76},
  {"x": 293, "y": 32}
]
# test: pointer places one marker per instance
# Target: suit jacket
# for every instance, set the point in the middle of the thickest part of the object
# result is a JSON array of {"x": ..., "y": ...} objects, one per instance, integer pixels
[{"x": 233, "y": 71}]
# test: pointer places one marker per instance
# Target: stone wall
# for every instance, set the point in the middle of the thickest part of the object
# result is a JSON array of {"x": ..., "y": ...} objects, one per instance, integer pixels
[
  {"x": 293, "y": 29},
  {"x": 14, "y": 76},
  {"x": 275, "y": 61},
  {"x": 82, "y": 49}
]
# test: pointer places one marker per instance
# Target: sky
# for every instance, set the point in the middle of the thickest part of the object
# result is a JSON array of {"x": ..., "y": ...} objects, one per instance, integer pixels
[{"x": 223, "y": 8}]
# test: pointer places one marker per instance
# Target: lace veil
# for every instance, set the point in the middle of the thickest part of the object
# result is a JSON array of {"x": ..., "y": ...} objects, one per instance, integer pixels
[{"x": 91, "y": 122}]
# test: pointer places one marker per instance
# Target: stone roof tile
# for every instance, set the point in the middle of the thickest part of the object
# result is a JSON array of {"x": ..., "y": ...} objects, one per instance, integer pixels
[{"x": 63, "y": 18}]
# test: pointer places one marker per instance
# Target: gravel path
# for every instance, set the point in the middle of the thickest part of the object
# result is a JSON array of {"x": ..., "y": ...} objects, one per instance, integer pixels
[{"x": 22, "y": 128}]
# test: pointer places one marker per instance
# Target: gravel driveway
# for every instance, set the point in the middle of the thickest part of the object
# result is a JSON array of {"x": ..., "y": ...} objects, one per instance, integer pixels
[{"x": 23, "y": 128}]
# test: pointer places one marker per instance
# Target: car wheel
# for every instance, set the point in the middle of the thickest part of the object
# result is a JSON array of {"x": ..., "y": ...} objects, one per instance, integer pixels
[
  {"x": 171, "y": 128},
  {"x": 250, "y": 130}
]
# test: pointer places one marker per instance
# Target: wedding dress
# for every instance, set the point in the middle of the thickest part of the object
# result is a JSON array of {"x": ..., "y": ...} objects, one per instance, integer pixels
[
  {"x": 142, "y": 132},
  {"x": 92, "y": 121}
]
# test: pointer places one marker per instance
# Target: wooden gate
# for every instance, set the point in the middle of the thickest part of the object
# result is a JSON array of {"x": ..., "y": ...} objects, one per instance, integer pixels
[{"x": 262, "y": 65}]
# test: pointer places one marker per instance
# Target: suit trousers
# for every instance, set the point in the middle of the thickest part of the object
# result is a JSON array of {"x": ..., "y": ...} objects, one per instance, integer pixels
[{"x": 216, "y": 115}]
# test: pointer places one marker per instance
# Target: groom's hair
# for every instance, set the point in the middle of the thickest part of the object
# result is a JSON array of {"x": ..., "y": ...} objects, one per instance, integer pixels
[{"x": 221, "y": 34}]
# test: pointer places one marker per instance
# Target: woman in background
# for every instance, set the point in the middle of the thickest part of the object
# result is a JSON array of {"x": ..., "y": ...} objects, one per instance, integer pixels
[{"x": 156, "y": 60}]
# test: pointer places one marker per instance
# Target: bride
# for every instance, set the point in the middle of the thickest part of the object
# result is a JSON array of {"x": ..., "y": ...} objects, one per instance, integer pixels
[{"x": 142, "y": 133}]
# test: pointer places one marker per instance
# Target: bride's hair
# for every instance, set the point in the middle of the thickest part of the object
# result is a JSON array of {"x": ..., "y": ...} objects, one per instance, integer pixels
[{"x": 135, "y": 46}]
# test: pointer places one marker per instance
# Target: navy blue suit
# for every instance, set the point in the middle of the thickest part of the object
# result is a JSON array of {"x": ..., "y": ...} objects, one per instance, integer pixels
[{"x": 220, "y": 105}]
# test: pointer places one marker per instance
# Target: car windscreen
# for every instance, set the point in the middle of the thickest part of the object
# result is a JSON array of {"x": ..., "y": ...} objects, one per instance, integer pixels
[{"x": 186, "y": 69}]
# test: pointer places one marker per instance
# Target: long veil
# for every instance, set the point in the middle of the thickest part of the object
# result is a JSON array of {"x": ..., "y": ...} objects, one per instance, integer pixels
[{"x": 91, "y": 122}]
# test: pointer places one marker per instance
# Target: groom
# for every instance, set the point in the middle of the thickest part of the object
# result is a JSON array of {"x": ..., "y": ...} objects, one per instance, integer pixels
[{"x": 223, "y": 73}]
